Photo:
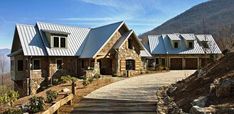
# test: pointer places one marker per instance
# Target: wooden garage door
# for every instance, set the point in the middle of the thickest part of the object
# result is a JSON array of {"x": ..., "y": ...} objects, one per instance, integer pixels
[
  {"x": 176, "y": 63},
  {"x": 190, "y": 63}
]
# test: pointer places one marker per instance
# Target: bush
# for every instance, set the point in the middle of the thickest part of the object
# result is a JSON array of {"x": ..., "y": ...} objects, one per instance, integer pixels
[
  {"x": 9, "y": 96},
  {"x": 51, "y": 96},
  {"x": 36, "y": 104},
  {"x": 86, "y": 82},
  {"x": 96, "y": 76},
  {"x": 13, "y": 111},
  {"x": 68, "y": 78}
]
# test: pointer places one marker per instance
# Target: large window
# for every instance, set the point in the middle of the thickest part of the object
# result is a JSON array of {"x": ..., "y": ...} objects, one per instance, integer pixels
[
  {"x": 20, "y": 65},
  {"x": 36, "y": 64},
  {"x": 59, "y": 42},
  {"x": 59, "y": 64},
  {"x": 130, "y": 65}
]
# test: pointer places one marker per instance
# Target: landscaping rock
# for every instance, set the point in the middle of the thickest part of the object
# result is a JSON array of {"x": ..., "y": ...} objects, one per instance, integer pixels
[
  {"x": 201, "y": 101},
  {"x": 199, "y": 110},
  {"x": 66, "y": 90},
  {"x": 224, "y": 88}
]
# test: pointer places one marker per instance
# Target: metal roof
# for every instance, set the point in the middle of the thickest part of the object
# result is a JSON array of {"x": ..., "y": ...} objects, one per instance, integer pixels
[
  {"x": 213, "y": 47},
  {"x": 122, "y": 39},
  {"x": 188, "y": 36},
  {"x": 75, "y": 39},
  {"x": 161, "y": 44},
  {"x": 30, "y": 40},
  {"x": 97, "y": 39},
  {"x": 82, "y": 42},
  {"x": 156, "y": 44},
  {"x": 174, "y": 36}
]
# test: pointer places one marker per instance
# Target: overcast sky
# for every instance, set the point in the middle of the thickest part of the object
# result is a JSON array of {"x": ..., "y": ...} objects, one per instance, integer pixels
[{"x": 140, "y": 15}]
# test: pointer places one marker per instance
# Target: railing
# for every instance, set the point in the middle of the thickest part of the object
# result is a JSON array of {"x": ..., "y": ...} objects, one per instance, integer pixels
[{"x": 54, "y": 108}]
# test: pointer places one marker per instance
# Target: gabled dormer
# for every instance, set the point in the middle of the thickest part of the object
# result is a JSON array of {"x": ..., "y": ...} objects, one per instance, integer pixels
[
  {"x": 175, "y": 40},
  {"x": 188, "y": 40},
  {"x": 56, "y": 39}
]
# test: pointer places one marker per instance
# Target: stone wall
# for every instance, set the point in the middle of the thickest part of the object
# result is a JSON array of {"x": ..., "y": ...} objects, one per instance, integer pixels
[
  {"x": 110, "y": 44},
  {"x": 124, "y": 53}
]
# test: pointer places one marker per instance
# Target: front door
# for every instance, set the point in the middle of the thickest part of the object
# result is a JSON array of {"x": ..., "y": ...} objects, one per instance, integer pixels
[{"x": 105, "y": 66}]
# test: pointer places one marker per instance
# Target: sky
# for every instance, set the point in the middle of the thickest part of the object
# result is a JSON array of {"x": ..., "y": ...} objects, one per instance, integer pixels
[{"x": 139, "y": 15}]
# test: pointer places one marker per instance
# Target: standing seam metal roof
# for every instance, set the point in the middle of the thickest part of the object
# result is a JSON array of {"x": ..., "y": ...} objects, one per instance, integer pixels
[{"x": 161, "y": 44}]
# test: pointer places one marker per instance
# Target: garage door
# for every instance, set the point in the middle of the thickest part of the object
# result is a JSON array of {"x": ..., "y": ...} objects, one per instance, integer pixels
[
  {"x": 190, "y": 63},
  {"x": 176, "y": 63}
]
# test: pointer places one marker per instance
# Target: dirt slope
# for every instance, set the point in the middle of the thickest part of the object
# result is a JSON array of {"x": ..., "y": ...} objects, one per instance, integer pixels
[{"x": 199, "y": 84}]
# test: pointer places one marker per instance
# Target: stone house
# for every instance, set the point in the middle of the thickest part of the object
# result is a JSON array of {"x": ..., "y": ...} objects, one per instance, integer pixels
[
  {"x": 44, "y": 51},
  {"x": 181, "y": 51}
]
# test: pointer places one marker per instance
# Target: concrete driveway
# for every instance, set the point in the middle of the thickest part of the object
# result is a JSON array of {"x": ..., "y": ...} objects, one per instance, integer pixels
[{"x": 132, "y": 95}]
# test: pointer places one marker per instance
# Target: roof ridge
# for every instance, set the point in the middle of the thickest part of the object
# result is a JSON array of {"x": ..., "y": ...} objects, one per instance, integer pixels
[
  {"x": 64, "y": 25},
  {"x": 108, "y": 24}
]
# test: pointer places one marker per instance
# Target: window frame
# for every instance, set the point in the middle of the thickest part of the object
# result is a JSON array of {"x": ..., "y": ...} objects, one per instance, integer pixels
[
  {"x": 59, "y": 41},
  {"x": 192, "y": 44},
  {"x": 33, "y": 65},
  {"x": 21, "y": 67},
  {"x": 176, "y": 46},
  {"x": 132, "y": 63}
]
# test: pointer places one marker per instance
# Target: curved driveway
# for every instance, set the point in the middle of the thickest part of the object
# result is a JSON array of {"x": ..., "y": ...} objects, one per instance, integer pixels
[{"x": 132, "y": 95}]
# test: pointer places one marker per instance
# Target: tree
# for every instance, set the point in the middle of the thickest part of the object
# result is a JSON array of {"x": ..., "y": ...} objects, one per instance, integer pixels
[{"x": 2, "y": 65}]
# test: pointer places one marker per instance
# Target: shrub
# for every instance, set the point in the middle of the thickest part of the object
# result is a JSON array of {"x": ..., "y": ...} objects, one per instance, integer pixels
[
  {"x": 9, "y": 96},
  {"x": 96, "y": 76},
  {"x": 14, "y": 111},
  {"x": 85, "y": 82},
  {"x": 68, "y": 78},
  {"x": 51, "y": 96},
  {"x": 36, "y": 104},
  {"x": 90, "y": 79}
]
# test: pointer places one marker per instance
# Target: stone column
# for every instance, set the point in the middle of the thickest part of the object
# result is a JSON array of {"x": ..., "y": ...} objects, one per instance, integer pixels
[{"x": 96, "y": 66}]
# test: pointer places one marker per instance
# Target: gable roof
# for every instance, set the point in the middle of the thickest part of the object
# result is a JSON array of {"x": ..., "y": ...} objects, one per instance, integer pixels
[
  {"x": 30, "y": 40},
  {"x": 75, "y": 39},
  {"x": 83, "y": 42},
  {"x": 97, "y": 39},
  {"x": 161, "y": 44}
]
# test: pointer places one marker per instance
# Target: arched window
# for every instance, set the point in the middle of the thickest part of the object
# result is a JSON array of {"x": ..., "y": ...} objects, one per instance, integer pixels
[{"x": 130, "y": 64}]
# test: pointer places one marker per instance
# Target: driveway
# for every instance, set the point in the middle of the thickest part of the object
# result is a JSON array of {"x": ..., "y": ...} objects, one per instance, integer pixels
[{"x": 132, "y": 95}]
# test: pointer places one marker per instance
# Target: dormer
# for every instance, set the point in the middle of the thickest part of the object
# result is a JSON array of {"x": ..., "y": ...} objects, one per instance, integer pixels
[
  {"x": 56, "y": 39},
  {"x": 175, "y": 40},
  {"x": 189, "y": 40}
]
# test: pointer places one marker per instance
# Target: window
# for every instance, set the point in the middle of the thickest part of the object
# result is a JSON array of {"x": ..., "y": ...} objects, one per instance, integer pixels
[
  {"x": 36, "y": 64},
  {"x": 157, "y": 61},
  {"x": 163, "y": 61},
  {"x": 56, "y": 41},
  {"x": 130, "y": 46},
  {"x": 151, "y": 63},
  {"x": 130, "y": 65},
  {"x": 59, "y": 64},
  {"x": 176, "y": 44},
  {"x": 12, "y": 65},
  {"x": 59, "y": 42},
  {"x": 63, "y": 43},
  {"x": 190, "y": 45},
  {"x": 20, "y": 65}
]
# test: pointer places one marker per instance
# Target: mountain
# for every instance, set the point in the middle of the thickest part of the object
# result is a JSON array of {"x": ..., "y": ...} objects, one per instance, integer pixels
[
  {"x": 213, "y": 17},
  {"x": 4, "y": 53}
]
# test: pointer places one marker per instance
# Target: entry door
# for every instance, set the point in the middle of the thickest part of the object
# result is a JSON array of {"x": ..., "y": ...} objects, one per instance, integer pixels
[{"x": 106, "y": 66}]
